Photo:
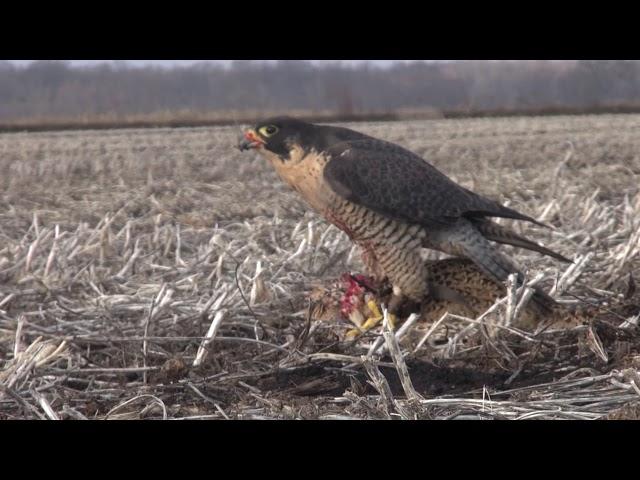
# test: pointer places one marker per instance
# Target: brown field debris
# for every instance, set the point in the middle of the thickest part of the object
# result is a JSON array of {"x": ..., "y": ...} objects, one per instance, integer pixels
[{"x": 160, "y": 273}]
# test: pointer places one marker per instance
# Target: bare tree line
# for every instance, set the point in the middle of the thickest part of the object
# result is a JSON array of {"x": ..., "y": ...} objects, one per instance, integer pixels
[{"x": 55, "y": 89}]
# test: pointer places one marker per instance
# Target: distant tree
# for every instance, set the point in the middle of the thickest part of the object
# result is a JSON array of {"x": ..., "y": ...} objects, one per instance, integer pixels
[{"x": 51, "y": 88}]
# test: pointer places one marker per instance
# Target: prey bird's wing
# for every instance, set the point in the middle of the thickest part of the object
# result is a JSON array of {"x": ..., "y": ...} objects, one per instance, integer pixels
[{"x": 395, "y": 182}]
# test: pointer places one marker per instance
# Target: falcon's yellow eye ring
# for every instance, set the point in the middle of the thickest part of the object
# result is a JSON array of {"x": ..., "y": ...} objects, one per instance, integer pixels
[{"x": 268, "y": 131}]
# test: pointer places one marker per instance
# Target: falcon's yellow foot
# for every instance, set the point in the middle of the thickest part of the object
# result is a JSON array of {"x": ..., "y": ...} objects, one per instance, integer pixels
[{"x": 373, "y": 320}]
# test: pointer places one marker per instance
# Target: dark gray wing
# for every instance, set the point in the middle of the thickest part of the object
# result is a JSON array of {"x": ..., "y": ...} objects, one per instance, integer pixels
[{"x": 398, "y": 183}]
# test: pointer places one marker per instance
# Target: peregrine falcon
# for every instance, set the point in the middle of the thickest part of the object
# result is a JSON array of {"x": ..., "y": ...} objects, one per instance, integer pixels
[{"x": 390, "y": 202}]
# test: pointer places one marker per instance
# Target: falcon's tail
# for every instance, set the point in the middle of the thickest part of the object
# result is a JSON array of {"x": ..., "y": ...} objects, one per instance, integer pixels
[
  {"x": 496, "y": 233},
  {"x": 499, "y": 267}
]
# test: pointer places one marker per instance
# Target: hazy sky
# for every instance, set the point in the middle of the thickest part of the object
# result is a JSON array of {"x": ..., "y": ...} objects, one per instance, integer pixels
[{"x": 184, "y": 63}]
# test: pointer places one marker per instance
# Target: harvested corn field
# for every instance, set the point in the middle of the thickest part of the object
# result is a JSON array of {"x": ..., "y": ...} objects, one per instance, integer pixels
[{"x": 160, "y": 273}]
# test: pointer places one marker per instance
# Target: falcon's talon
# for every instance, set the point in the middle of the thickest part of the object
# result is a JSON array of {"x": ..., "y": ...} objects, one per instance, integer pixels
[
  {"x": 377, "y": 316},
  {"x": 353, "y": 333},
  {"x": 372, "y": 321},
  {"x": 373, "y": 306}
]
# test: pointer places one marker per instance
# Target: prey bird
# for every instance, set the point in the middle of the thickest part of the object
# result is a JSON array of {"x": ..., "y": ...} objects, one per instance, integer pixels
[{"x": 392, "y": 203}]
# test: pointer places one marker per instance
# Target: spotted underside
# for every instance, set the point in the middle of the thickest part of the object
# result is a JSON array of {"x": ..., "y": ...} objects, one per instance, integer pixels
[
  {"x": 391, "y": 248},
  {"x": 479, "y": 292}
]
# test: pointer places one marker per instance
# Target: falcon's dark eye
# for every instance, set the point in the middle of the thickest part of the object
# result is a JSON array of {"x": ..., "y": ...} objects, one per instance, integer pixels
[{"x": 268, "y": 131}]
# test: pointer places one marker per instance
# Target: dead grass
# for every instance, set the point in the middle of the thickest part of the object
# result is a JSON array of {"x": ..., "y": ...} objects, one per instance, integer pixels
[{"x": 162, "y": 274}]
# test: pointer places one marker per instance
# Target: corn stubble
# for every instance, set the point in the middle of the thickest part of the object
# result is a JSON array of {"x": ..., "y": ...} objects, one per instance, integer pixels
[{"x": 159, "y": 273}]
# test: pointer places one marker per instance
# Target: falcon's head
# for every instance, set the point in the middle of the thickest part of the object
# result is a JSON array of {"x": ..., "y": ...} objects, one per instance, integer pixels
[
  {"x": 279, "y": 136},
  {"x": 283, "y": 136}
]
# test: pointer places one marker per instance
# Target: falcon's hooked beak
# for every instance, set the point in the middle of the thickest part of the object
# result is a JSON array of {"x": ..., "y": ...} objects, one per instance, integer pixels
[{"x": 250, "y": 140}]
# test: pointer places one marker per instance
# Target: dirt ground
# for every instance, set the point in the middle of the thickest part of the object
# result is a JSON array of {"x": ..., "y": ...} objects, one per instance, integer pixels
[{"x": 161, "y": 273}]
